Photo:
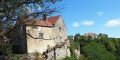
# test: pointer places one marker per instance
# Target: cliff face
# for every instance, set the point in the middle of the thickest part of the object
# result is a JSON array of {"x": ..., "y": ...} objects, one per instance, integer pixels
[{"x": 77, "y": 52}]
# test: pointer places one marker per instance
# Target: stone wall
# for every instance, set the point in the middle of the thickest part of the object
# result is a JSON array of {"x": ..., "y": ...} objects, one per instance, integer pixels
[
  {"x": 7, "y": 58},
  {"x": 58, "y": 52},
  {"x": 51, "y": 36},
  {"x": 60, "y": 30},
  {"x": 39, "y": 45},
  {"x": 77, "y": 52}
]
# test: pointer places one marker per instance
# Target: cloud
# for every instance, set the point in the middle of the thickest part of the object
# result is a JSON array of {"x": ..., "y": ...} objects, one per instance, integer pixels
[
  {"x": 113, "y": 23},
  {"x": 88, "y": 23},
  {"x": 30, "y": 10},
  {"x": 39, "y": 8},
  {"x": 100, "y": 13},
  {"x": 75, "y": 24}
]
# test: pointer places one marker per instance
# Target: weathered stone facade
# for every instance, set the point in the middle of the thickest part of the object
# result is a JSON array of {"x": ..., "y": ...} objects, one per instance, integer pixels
[
  {"x": 51, "y": 36},
  {"x": 58, "y": 52},
  {"x": 39, "y": 45},
  {"x": 60, "y": 30}
]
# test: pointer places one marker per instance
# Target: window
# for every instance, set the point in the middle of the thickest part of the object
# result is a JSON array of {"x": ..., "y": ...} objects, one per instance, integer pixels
[
  {"x": 60, "y": 39},
  {"x": 39, "y": 28},
  {"x": 54, "y": 39},
  {"x": 41, "y": 35},
  {"x": 59, "y": 29},
  {"x": 21, "y": 28}
]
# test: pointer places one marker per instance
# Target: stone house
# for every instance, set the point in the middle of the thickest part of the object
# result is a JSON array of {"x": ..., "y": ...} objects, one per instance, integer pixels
[
  {"x": 102, "y": 35},
  {"x": 71, "y": 37},
  {"x": 41, "y": 35},
  {"x": 93, "y": 35}
]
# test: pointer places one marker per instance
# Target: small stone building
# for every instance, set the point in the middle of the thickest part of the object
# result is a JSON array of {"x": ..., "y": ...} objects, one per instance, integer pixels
[
  {"x": 93, "y": 35},
  {"x": 43, "y": 34},
  {"x": 71, "y": 37}
]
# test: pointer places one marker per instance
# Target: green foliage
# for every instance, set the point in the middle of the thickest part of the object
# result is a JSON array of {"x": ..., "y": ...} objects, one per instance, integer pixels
[
  {"x": 6, "y": 49},
  {"x": 83, "y": 58},
  {"x": 101, "y": 48},
  {"x": 36, "y": 54},
  {"x": 94, "y": 51},
  {"x": 34, "y": 27},
  {"x": 73, "y": 57},
  {"x": 90, "y": 38},
  {"x": 111, "y": 47},
  {"x": 67, "y": 58},
  {"x": 14, "y": 13},
  {"x": 116, "y": 43},
  {"x": 73, "y": 45},
  {"x": 77, "y": 37},
  {"x": 69, "y": 38}
]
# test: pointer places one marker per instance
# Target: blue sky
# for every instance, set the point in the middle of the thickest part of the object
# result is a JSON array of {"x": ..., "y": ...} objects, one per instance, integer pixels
[{"x": 96, "y": 16}]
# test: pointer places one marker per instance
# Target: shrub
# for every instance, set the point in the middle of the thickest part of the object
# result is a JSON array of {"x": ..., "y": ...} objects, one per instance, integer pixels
[
  {"x": 95, "y": 51},
  {"x": 36, "y": 54},
  {"x": 83, "y": 58},
  {"x": 6, "y": 49}
]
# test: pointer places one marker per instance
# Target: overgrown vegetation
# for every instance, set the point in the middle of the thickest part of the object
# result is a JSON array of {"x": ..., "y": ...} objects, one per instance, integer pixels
[
  {"x": 95, "y": 51},
  {"x": 100, "y": 48},
  {"x": 6, "y": 49},
  {"x": 38, "y": 56}
]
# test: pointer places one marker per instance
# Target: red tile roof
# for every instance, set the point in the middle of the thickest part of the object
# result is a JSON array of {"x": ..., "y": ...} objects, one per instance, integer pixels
[
  {"x": 89, "y": 34},
  {"x": 39, "y": 22},
  {"x": 54, "y": 19},
  {"x": 50, "y": 21}
]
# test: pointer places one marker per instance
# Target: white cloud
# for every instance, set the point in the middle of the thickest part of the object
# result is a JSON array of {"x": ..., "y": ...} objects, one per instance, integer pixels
[
  {"x": 39, "y": 8},
  {"x": 113, "y": 23},
  {"x": 100, "y": 13},
  {"x": 88, "y": 23},
  {"x": 30, "y": 10},
  {"x": 75, "y": 24}
]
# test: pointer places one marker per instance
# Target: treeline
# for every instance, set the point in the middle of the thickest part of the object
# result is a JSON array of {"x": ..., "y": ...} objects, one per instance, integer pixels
[{"x": 100, "y": 48}]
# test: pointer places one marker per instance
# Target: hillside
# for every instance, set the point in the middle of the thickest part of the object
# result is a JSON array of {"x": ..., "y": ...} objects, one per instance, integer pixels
[{"x": 101, "y": 48}]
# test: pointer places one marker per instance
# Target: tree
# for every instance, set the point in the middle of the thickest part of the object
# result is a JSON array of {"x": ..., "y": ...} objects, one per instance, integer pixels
[
  {"x": 83, "y": 41},
  {"x": 111, "y": 47},
  {"x": 14, "y": 12},
  {"x": 94, "y": 51},
  {"x": 90, "y": 38},
  {"x": 5, "y": 49},
  {"x": 77, "y": 37}
]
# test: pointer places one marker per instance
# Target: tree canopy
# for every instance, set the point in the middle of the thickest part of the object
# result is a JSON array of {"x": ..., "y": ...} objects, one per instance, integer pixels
[
  {"x": 13, "y": 12},
  {"x": 94, "y": 51},
  {"x": 100, "y": 48}
]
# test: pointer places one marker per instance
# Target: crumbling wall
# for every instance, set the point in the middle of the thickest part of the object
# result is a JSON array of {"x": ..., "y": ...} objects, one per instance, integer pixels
[
  {"x": 77, "y": 52},
  {"x": 58, "y": 52}
]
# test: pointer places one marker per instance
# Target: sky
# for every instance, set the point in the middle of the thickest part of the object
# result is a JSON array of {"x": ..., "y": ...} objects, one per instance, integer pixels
[{"x": 96, "y": 16}]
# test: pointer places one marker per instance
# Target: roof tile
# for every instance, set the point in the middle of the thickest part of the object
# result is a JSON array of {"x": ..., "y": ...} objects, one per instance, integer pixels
[{"x": 50, "y": 21}]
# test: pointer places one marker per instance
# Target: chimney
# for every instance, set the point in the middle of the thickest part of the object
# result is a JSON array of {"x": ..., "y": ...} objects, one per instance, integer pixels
[{"x": 44, "y": 17}]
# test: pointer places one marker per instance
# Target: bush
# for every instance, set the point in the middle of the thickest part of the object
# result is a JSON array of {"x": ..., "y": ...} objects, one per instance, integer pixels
[
  {"x": 95, "y": 51},
  {"x": 6, "y": 49},
  {"x": 73, "y": 57},
  {"x": 36, "y": 54},
  {"x": 83, "y": 58}
]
